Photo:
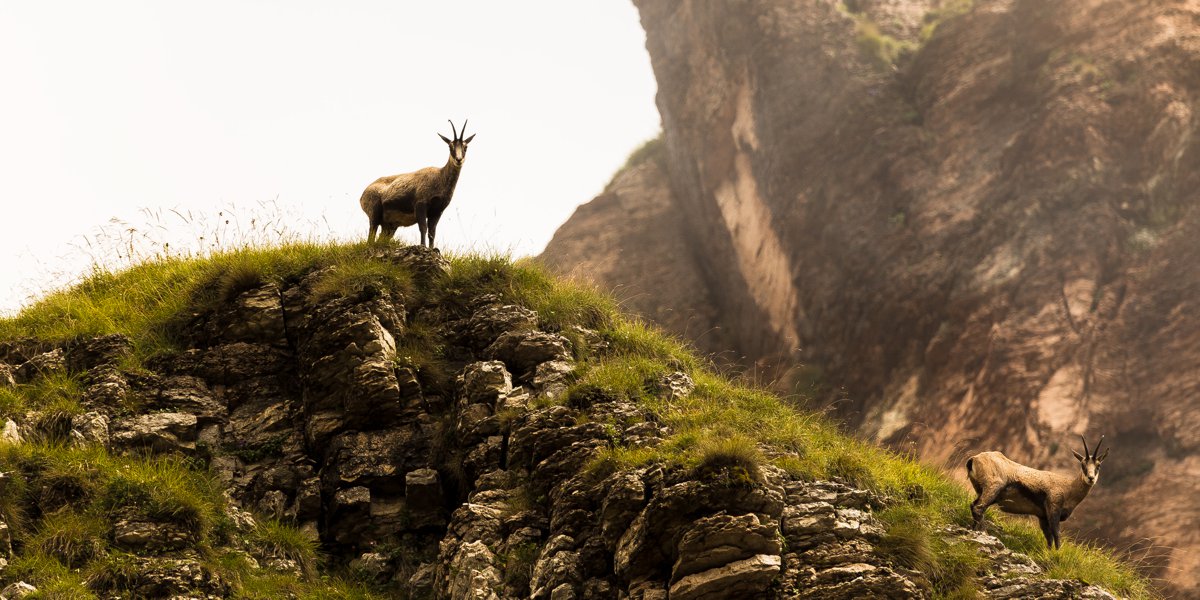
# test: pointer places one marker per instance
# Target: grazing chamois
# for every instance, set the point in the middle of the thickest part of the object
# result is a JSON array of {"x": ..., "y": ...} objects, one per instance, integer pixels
[
  {"x": 1021, "y": 490},
  {"x": 419, "y": 197}
]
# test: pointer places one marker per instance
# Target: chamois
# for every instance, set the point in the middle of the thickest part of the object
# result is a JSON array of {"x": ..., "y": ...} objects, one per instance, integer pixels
[
  {"x": 419, "y": 197},
  {"x": 1021, "y": 490}
]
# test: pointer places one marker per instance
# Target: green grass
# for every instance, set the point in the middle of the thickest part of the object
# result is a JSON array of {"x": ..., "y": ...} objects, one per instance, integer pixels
[
  {"x": 354, "y": 277},
  {"x": 68, "y": 552},
  {"x": 143, "y": 301},
  {"x": 559, "y": 304},
  {"x": 287, "y": 542},
  {"x": 883, "y": 49},
  {"x": 652, "y": 149},
  {"x": 946, "y": 10},
  {"x": 51, "y": 394},
  {"x": 73, "y": 538}
]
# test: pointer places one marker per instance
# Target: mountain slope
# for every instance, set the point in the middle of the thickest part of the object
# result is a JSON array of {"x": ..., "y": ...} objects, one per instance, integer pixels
[
  {"x": 972, "y": 231},
  {"x": 463, "y": 428}
]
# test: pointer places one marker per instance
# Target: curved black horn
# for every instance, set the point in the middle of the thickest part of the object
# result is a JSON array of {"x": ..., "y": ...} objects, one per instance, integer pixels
[
  {"x": 1086, "y": 453},
  {"x": 464, "y": 129},
  {"x": 452, "y": 129},
  {"x": 1098, "y": 444}
]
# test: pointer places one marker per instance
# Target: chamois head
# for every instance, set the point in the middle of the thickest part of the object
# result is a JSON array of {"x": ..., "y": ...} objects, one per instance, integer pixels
[
  {"x": 458, "y": 146},
  {"x": 1089, "y": 462}
]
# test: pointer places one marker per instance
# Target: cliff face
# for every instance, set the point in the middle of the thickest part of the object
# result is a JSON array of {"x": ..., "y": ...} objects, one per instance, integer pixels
[{"x": 990, "y": 246}]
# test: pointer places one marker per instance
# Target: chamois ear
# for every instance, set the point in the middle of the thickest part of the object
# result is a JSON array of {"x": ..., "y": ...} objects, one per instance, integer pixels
[
  {"x": 444, "y": 138},
  {"x": 1104, "y": 455},
  {"x": 1077, "y": 456},
  {"x": 468, "y": 140}
]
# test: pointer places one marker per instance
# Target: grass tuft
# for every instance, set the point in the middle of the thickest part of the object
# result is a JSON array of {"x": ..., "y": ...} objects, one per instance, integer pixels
[
  {"x": 363, "y": 278},
  {"x": 285, "y": 541},
  {"x": 737, "y": 456},
  {"x": 72, "y": 538}
]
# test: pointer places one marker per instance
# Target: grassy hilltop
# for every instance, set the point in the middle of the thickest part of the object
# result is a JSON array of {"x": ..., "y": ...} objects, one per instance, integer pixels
[{"x": 60, "y": 497}]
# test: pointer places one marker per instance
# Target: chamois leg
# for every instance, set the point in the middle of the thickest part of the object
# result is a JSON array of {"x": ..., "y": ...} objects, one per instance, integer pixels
[
  {"x": 423, "y": 221},
  {"x": 1052, "y": 521},
  {"x": 387, "y": 232},
  {"x": 434, "y": 217},
  {"x": 1049, "y": 535},
  {"x": 376, "y": 219},
  {"x": 986, "y": 498}
]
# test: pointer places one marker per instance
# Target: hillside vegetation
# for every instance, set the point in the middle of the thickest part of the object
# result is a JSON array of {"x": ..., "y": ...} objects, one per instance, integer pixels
[{"x": 66, "y": 501}]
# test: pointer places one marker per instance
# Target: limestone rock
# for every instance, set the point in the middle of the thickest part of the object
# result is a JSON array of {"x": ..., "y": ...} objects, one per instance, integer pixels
[
  {"x": 90, "y": 428},
  {"x": 485, "y": 382},
  {"x": 16, "y": 590},
  {"x": 97, "y": 353},
  {"x": 7, "y": 380},
  {"x": 106, "y": 387},
  {"x": 473, "y": 575},
  {"x": 722, "y": 539},
  {"x": 553, "y": 377},
  {"x": 672, "y": 386},
  {"x": 374, "y": 565},
  {"x": 153, "y": 536},
  {"x": 43, "y": 364},
  {"x": 11, "y": 432},
  {"x": 159, "y": 432},
  {"x": 489, "y": 322},
  {"x": 522, "y": 351},
  {"x": 166, "y": 577},
  {"x": 1000, "y": 588},
  {"x": 425, "y": 263},
  {"x": 745, "y": 578}
]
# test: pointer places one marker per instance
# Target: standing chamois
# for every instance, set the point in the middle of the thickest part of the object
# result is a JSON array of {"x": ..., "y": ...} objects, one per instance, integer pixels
[
  {"x": 419, "y": 197},
  {"x": 1021, "y": 490}
]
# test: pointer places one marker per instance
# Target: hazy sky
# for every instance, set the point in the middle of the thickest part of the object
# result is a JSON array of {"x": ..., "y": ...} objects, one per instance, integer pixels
[{"x": 127, "y": 110}]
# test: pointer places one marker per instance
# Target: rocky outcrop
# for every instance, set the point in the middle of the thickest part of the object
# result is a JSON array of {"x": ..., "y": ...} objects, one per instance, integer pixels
[
  {"x": 469, "y": 482},
  {"x": 978, "y": 240}
]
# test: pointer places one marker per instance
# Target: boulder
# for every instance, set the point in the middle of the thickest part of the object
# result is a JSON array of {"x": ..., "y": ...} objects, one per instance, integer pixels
[
  {"x": 97, "y": 352},
  {"x": 473, "y": 574},
  {"x": 149, "y": 536},
  {"x": 522, "y": 351},
  {"x": 489, "y": 322},
  {"x": 7, "y": 379},
  {"x": 552, "y": 378},
  {"x": 90, "y": 428},
  {"x": 672, "y": 386},
  {"x": 11, "y": 433},
  {"x": 16, "y": 590},
  {"x": 747, "y": 578},
  {"x": 159, "y": 432},
  {"x": 721, "y": 539},
  {"x": 485, "y": 382},
  {"x": 40, "y": 365}
]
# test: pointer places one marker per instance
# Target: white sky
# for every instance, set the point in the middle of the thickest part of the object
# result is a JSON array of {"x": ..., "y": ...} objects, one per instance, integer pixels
[{"x": 126, "y": 110}]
